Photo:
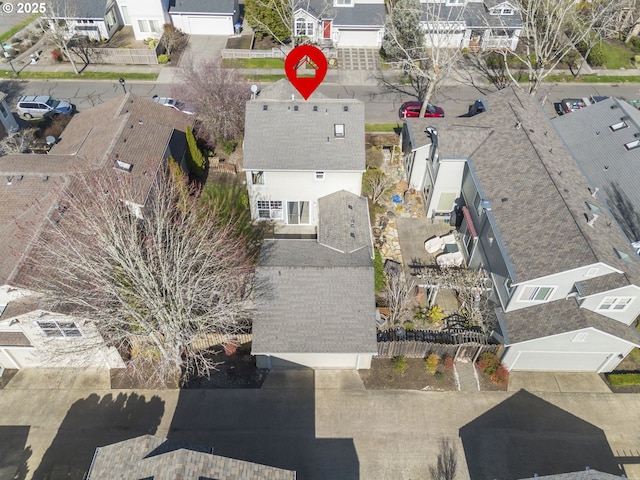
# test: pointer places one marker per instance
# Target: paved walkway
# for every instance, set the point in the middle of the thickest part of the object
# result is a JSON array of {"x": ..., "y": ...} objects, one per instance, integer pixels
[
  {"x": 467, "y": 377},
  {"x": 359, "y": 58}
]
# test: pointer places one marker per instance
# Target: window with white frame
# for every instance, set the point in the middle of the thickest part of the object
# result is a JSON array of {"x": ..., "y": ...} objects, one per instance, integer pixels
[
  {"x": 343, "y": 3},
  {"x": 152, "y": 26},
  {"x": 536, "y": 294},
  {"x": 59, "y": 328},
  {"x": 503, "y": 10},
  {"x": 304, "y": 28},
  {"x": 319, "y": 175},
  {"x": 257, "y": 178},
  {"x": 298, "y": 213},
  {"x": 270, "y": 209},
  {"x": 338, "y": 130},
  {"x": 618, "y": 304}
]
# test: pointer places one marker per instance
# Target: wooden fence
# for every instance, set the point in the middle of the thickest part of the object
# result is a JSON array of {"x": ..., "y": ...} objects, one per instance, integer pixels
[
  {"x": 211, "y": 339},
  {"x": 272, "y": 53},
  {"x": 122, "y": 56}
]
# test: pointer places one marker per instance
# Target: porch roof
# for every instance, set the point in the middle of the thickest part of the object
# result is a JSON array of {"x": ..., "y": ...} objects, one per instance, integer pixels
[{"x": 474, "y": 15}]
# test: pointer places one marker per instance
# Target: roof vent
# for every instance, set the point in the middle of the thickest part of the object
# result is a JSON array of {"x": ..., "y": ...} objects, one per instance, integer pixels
[
  {"x": 346, "y": 108},
  {"x": 140, "y": 121},
  {"x": 45, "y": 178},
  {"x": 592, "y": 222},
  {"x": 613, "y": 107},
  {"x": 119, "y": 164},
  {"x": 352, "y": 235},
  {"x": 265, "y": 107},
  {"x": 9, "y": 180},
  {"x": 295, "y": 108},
  {"x": 315, "y": 108}
]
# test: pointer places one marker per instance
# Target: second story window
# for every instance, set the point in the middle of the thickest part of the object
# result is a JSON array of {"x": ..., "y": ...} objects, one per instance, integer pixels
[
  {"x": 536, "y": 294},
  {"x": 338, "y": 130},
  {"x": 304, "y": 28},
  {"x": 257, "y": 178}
]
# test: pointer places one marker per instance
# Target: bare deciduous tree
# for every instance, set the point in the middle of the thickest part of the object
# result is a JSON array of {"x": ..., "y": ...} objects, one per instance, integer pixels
[
  {"x": 553, "y": 28},
  {"x": 17, "y": 142},
  {"x": 173, "y": 39},
  {"x": 447, "y": 464},
  {"x": 152, "y": 286},
  {"x": 400, "y": 292},
  {"x": 56, "y": 27},
  {"x": 423, "y": 41},
  {"x": 220, "y": 95},
  {"x": 378, "y": 184}
]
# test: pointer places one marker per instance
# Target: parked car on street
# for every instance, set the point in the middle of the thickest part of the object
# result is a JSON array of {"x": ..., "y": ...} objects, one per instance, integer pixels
[
  {"x": 173, "y": 103},
  {"x": 568, "y": 105},
  {"x": 412, "y": 110},
  {"x": 39, "y": 106}
]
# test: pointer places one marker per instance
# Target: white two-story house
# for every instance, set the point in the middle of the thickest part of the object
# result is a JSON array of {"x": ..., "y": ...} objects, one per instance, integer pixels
[
  {"x": 298, "y": 151},
  {"x": 473, "y": 24},
  {"x": 565, "y": 276}
]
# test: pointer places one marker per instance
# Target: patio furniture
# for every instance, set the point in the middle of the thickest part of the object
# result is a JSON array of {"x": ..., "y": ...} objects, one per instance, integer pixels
[
  {"x": 446, "y": 260},
  {"x": 437, "y": 243}
]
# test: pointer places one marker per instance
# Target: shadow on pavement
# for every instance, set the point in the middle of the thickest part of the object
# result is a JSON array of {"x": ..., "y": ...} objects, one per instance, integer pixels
[
  {"x": 526, "y": 435},
  {"x": 274, "y": 426},
  {"x": 93, "y": 422},
  {"x": 13, "y": 452}
]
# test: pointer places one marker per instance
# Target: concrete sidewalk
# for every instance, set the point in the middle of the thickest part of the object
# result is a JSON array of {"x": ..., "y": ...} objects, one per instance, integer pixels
[{"x": 564, "y": 382}]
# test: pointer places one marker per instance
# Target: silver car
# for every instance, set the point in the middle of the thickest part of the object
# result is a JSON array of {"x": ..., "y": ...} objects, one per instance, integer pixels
[
  {"x": 38, "y": 106},
  {"x": 173, "y": 103}
]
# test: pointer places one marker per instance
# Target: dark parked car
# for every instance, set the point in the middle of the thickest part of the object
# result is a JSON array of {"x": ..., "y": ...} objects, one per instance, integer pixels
[{"x": 412, "y": 109}]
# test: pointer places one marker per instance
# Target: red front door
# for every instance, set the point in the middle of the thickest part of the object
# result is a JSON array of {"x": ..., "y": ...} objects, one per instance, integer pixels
[{"x": 327, "y": 29}]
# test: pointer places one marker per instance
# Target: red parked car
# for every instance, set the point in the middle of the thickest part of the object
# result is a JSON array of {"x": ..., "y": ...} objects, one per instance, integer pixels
[{"x": 412, "y": 109}]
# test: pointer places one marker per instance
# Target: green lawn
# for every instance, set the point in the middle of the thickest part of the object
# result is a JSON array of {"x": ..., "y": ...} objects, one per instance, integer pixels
[
  {"x": 252, "y": 63},
  {"x": 593, "y": 79},
  {"x": 9, "y": 34},
  {"x": 382, "y": 127},
  {"x": 618, "y": 55},
  {"x": 264, "y": 78},
  {"x": 84, "y": 75},
  {"x": 619, "y": 379}
]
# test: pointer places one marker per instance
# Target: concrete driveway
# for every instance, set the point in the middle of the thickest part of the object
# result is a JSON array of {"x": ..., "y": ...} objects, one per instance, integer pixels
[
  {"x": 201, "y": 47},
  {"x": 321, "y": 424}
]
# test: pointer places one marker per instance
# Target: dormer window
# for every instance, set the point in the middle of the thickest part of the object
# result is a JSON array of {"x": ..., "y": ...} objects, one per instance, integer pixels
[
  {"x": 504, "y": 9},
  {"x": 338, "y": 130}
]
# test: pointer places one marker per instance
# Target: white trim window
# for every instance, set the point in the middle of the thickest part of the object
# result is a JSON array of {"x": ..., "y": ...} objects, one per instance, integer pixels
[
  {"x": 257, "y": 177},
  {"x": 298, "y": 213},
  {"x": 338, "y": 130},
  {"x": 152, "y": 26},
  {"x": 269, "y": 209},
  {"x": 617, "y": 304},
  {"x": 59, "y": 328},
  {"x": 343, "y": 3},
  {"x": 304, "y": 28},
  {"x": 536, "y": 293}
]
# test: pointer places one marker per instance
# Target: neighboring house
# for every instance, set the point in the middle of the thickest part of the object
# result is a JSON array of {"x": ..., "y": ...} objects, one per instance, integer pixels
[
  {"x": 8, "y": 123},
  {"x": 566, "y": 282},
  {"x": 296, "y": 151},
  {"x": 315, "y": 299},
  {"x": 158, "y": 458},
  {"x": 341, "y": 23},
  {"x": 196, "y": 17},
  {"x": 95, "y": 19},
  {"x": 473, "y": 24},
  {"x": 203, "y": 17},
  {"x": 128, "y": 136}
]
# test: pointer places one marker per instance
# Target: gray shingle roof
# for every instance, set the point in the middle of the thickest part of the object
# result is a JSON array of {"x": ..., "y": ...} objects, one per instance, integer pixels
[
  {"x": 603, "y": 283},
  {"x": 543, "y": 222},
  {"x": 149, "y": 456},
  {"x": 360, "y": 15},
  {"x": 343, "y": 222},
  {"x": 86, "y": 8},
  {"x": 311, "y": 299},
  {"x": 602, "y": 155},
  {"x": 282, "y": 138},
  {"x": 203, "y": 6},
  {"x": 561, "y": 316},
  {"x": 474, "y": 15}
]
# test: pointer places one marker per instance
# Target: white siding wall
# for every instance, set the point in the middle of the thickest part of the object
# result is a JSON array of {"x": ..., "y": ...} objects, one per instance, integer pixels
[
  {"x": 448, "y": 181},
  {"x": 596, "y": 352},
  {"x": 351, "y": 361},
  {"x": 419, "y": 167},
  {"x": 628, "y": 315},
  {"x": 302, "y": 186},
  {"x": 9, "y": 293},
  {"x": 563, "y": 281},
  {"x": 146, "y": 10}
]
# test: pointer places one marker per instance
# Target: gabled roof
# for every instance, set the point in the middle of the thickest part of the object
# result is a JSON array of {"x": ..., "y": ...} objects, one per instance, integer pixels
[
  {"x": 343, "y": 223},
  {"x": 202, "y": 6},
  {"x": 94, "y": 9},
  {"x": 360, "y": 15},
  {"x": 473, "y": 14},
  {"x": 89, "y": 143},
  {"x": 312, "y": 299},
  {"x": 279, "y": 137},
  {"x": 561, "y": 316},
  {"x": 537, "y": 192},
  {"x": 601, "y": 153},
  {"x": 149, "y": 456}
]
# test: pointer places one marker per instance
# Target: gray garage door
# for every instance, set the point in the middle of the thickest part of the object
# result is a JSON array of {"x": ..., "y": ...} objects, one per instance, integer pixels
[{"x": 556, "y": 361}]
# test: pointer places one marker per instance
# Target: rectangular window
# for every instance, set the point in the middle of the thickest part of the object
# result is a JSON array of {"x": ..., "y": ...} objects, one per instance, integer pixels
[
  {"x": 304, "y": 28},
  {"x": 3, "y": 110},
  {"x": 632, "y": 145},
  {"x": 59, "y": 328},
  {"x": 269, "y": 209},
  {"x": 536, "y": 294},
  {"x": 149, "y": 26},
  {"x": 319, "y": 175},
  {"x": 298, "y": 213},
  {"x": 338, "y": 130},
  {"x": 343, "y": 2},
  {"x": 257, "y": 178},
  {"x": 619, "y": 304}
]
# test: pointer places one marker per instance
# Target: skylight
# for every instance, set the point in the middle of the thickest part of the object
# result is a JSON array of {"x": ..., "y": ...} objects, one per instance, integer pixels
[
  {"x": 625, "y": 257},
  {"x": 618, "y": 126},
  {"x": 632, "y": 145}
]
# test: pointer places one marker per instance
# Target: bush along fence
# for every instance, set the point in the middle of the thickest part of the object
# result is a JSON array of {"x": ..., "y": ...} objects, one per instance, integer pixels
[{"x": 464, "y": 344}]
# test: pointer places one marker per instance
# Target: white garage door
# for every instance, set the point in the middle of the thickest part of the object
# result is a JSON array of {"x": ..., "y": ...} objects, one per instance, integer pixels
[
  {"x": 555, "y": 361},
  {"x": 358, "y": 38},
  {"x": 209, "y": 25}
]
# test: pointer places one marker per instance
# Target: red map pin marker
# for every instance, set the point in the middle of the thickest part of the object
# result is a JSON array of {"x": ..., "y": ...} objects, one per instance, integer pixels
[{"x": 305, "y": 67}]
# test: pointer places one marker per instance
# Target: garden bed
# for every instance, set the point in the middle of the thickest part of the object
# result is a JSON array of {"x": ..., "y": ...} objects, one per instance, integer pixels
[{"x": 383, "y": 376}]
